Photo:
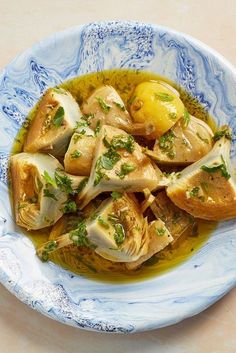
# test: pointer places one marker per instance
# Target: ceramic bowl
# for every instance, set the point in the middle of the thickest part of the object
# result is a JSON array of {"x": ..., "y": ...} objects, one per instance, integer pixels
[{"x": 185, "y": 290}]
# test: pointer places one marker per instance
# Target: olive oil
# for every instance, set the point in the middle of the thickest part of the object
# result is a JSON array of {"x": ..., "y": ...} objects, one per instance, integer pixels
[{"x": 84, "y": 261}]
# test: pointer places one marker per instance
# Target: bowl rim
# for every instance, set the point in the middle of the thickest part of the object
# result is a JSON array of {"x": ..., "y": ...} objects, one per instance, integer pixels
[{"x": 229, "y": 282}]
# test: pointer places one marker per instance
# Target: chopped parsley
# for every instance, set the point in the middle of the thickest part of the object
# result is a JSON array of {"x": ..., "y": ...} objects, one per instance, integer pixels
[
  {"x": 79, "y": 236},
  {"x": 75, "y": 154},
  {"x": 64, "y": 183},
  {"x": 202, "y": 138},
  {"x": 217, "y": 168},
  {"x": 103, "y": 223},
  {"x": 80, "y": 124},
  {"x": 116, "y": 195},
  {"x": 173, "y": 116},
  {"x": 98, "y": 127},
  {"x": 166, "y": 144},
  {"x": 58, "y": 117},
  {"x": 186, "y": 118},
  {"x": 120, "y": 106},
  {"x": 223, "y": 132},
  {"x": 78, "y": 135},
  {"x": 47, "y": 193},
  {"x": 160, "y": 232},
  {"x": 48, "y": 247},
  {"x": 104, "y": 106},
  {"x": 109, "y": 159},
  {"x": 125, "y": 169},
  {"x": 164, "y": 97},
  {"x": 195, "y": 193},
  {"x": 69, "y": 207},
  {"x": 81, "y": 185},
  {"x": 119, "y": 234},
  {"x": 49, "y": 180},
  {"x": 87, "y": 118}
]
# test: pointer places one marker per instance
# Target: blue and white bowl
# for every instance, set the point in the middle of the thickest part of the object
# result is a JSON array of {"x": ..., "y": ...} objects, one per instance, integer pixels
[{"x": 187, "y": 289}]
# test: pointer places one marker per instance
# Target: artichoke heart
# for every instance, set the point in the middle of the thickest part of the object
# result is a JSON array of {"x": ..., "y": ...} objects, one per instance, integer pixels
[
  {"x": 37, "y": 200},
  {"x": 184, "y": 144},
  {"x": 118, "y": 165},
  {"x": 178, "y": 222},
  {"x": 207, "y": 188},
  {"x": 118, "y": 230},
  {"x": 107, "y": 107},
  {"x": 158, "y": 238},
  {"x": 53, "y": 124},
  {"x": 79, "y": 156}
]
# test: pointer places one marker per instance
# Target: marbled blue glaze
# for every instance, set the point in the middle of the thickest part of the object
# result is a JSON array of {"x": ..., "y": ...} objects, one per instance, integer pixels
[{"x": 74, "y": 300}]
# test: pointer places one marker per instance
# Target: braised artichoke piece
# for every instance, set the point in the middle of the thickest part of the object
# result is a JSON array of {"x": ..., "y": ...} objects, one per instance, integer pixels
[
  {"x": 207, "y": 188},
  {"x": 37, "y": 199},
  {"x": 116, "y": 231},
  {"x": 189, "y": 140},
  {"x": 177, "y": 221},
  {"x": 106, "y": 107},
  {"x": 157, "y": 104},
  {"x": 53, "y": 124},
  {"x": 159, "y": 237},
  {"x": 79, "y": 156},
  {"x": 118, "y": 165}
]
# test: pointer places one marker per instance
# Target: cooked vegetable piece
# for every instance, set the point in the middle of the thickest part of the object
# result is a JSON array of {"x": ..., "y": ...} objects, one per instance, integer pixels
[
  {"x": 115, "y": 232},
  {"x": 79, "y": 156},
  {"x": 108, "y": 108},
  {"x": 118, "y": 165},
  {"x": 118, "y": 231},
  {"x": 37, "y": 199},
  {"x": 207, "y": 188},
  {"x": 159, "y": 237},
  {"x": 183, "y": 145},
  {"x": 158, "y": 105},
  {"x": 53, "y": 123},
  {"x": 177, "y": 221}
]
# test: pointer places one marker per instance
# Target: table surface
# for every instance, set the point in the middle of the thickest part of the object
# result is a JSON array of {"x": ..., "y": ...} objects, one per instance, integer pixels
[{"x": 213, "y": 22}]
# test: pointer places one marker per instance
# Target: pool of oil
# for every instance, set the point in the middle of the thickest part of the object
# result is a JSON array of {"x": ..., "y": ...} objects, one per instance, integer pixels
[{"x": 84, "y": 261}]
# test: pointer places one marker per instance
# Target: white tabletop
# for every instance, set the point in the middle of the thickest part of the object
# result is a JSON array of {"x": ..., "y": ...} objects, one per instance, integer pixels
[{"x": 26, "y": 21}]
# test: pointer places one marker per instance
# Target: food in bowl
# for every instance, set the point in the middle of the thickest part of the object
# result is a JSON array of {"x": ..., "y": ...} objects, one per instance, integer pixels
[{"x": 118, "y": 172}]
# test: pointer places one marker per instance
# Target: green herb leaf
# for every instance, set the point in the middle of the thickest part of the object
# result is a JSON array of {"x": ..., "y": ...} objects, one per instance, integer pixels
[
  {"x": 173, "y": 116},
  {"x": 64, "y": 183},
  {"x": 202, "y": 138},
  {"x": 223, "y": 132},
  {"x": 87, "y": 118},
  {"x": 109, "y": 159},
  {"x": 47, "y": 193},
  {"x": 75, "y": 154},
  {"x": 103, "y": 223},
  {"x": 49, "y": 180},
  {"x": 104, "y": 106},
  {"x": 164, "y": 97},
  {"x": 98, "y": 127},
  {"x": 119, "y": 234},
  {"x": 113, "y": 218},
  {"x": 125, "y": 169},
  {"x": 194, "y": 192},
  {"x": 123, "y": 142},
  {"x": 166, "y": 144},
  {"x": 160, "y": 232},
  {"x": 78, "y": 135},
  {"x": 217, "y": 168},
  {"x": 79, "y": 236},
  {"x": 69, "y": 207},
  {"x": 58, "y": 117},
  {"x": 81, "y": 185},
  {"x": 120, "y": 106},
  {"x": 116, "y": 195},
  {"x": 186, "y": 118}
]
